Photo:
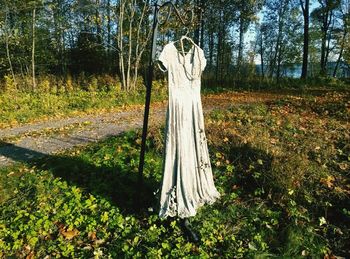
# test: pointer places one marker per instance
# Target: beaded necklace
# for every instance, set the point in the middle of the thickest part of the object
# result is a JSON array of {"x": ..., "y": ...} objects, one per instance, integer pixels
[{"x": 191, "y": 76}]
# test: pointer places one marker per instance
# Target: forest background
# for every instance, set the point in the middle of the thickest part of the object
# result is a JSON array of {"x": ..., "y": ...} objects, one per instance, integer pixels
[{"x": 68, "y": 45}]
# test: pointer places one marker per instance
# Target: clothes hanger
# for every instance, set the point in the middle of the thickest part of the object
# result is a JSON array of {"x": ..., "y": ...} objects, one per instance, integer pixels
[
  {"x": 181, "y": 42},
  {"x": 187, "y": 32}
]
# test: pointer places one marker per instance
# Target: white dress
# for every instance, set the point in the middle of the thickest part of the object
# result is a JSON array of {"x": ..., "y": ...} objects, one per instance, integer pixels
[{"x": 187, "y": 181}]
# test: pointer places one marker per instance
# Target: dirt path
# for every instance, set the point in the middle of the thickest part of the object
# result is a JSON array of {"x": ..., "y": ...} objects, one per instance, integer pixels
[{"x": 32, "y": 141}]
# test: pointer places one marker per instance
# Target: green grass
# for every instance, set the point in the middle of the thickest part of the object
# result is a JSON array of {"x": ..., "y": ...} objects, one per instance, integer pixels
[
  {"x": 23, "y": 107},
  {"x": 282, "y": 169}
]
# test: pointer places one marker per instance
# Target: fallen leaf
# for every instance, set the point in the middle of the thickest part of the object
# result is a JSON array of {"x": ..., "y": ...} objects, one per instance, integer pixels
[
  {"x": 69, "y": 234},
  {"x": 328, "y": 181},
  {"x": 92, "y": 235},
  {"x": 30, "y": 255}
]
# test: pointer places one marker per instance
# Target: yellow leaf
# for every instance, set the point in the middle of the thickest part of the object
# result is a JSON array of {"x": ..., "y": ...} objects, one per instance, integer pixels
[
  {"x": 92, "y": 235},
  {"x": 69, "y": 234},
  {"x": 328, "y": 181}
]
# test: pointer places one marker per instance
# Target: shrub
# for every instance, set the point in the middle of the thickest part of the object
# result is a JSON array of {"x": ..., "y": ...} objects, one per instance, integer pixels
[{"x": 9, "y": 84}]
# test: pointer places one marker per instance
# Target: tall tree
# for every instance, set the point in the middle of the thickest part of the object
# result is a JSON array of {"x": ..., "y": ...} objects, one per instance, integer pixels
[
  {"x": 247, "y": 11},
  {"x": 280, "y": 30},
  {"x": 133, "y": 34},
  {"x": 325, "y": 15},
  {"x": 7, "y": 35},
  {"x": 343, "y": 32},
  {"x": 304, "y": 4},
  {"x": 33, "y": 48}
]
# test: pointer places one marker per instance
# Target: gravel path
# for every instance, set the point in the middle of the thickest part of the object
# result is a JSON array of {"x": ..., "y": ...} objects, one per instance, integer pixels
[
  {"x": 36, "y": 140},
  {"x": 31, "y": 141}
]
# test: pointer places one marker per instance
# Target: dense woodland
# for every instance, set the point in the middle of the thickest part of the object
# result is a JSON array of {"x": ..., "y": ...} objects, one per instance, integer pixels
[{"x": 50, "y": 45}]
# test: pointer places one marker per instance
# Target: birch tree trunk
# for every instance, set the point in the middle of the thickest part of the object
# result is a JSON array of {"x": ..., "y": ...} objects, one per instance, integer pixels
[
  {"x": 131, "y": 22},
  {"x": 120, "y": 43},
  {"x": 140, "y": 46},
  {"x": 133, "y": 43}
]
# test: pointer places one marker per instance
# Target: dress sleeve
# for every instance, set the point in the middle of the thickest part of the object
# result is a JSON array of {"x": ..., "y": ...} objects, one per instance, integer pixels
[
  {"x": 203, "y": 60},
  {"x": 163, "y": 59}
]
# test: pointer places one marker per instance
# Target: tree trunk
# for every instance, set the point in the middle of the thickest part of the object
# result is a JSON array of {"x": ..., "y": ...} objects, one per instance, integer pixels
[
  {"x": 211, "y": 49},
  {"x": 109, "y": 35},
  {"x": 329, "y": 37},
  {"x": 275, "y": 55},
  {"x": 278, "y": 43},
  {"x": 202, "y": 23},
  {"x": 305, "y": 10},
  {"x": 98, "y": 21},
  {"x": 140, "y": 47},
  {"x": 271, "y": 61},
  {"x": 323, "y": 55},
  {"x": 59, "y": 36},
  {"x": 324, "y": 30},
  {"x": 222, "y": 53},
  {"x": 279, "y": 61},
  {"x": 120, "y": 44},
  {"x": 132, "y": 7},
  {"x": 340, "y": 54},
  {"x": 196, "y": 31},
  {"x": 241, "y": 41},
  {"x": 8, "y": 50},
  {"x": 218, "y": 52},
  {"x": 262, "y": 54},
  {"x": 33, "y": 51}
]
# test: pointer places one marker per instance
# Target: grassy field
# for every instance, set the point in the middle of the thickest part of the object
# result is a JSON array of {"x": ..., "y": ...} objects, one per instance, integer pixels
[
  {"x": 282, "y": 168},
  {"x": 23, "y": 107},
  {"x": 27, "y": 107}
]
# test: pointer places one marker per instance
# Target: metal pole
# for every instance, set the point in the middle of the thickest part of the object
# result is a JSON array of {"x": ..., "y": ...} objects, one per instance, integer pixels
[{"x": 148, "y": 91}]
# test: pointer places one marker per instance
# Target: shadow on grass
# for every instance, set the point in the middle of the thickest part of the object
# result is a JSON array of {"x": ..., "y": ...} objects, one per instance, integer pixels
[{"x": 121, "y": 188}]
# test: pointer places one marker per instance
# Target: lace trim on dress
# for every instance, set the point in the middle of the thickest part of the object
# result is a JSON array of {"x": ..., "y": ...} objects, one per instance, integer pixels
[
  {"x": 203, "y": 141},
  {"x": 170, "y": 209}
]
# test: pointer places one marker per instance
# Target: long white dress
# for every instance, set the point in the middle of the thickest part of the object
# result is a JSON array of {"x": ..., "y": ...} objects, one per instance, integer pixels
[{"x": 187, "y": 181}]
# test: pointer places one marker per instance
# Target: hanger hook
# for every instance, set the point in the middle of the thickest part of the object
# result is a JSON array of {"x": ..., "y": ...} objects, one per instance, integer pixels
[{"x": 187, "y": 31}]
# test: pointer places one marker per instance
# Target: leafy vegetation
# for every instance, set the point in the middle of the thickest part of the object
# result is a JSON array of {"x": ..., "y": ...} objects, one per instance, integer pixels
[{"x": 281, "y": 166}]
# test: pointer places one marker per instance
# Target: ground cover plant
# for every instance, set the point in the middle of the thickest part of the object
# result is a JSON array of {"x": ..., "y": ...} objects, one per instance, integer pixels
[{"x": 281, "y": 166}]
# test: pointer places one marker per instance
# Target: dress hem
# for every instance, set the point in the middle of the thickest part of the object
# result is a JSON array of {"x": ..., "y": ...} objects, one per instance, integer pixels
[{"x": 164, "y": 213}]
